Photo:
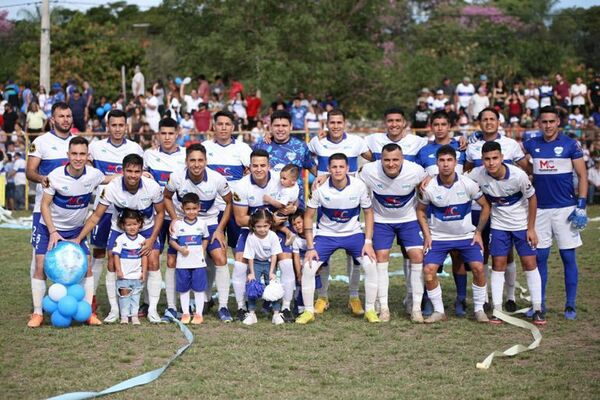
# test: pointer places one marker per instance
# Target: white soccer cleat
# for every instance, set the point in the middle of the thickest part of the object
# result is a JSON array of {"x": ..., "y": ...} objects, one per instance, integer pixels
[
  {"x": 384, "y": 315},
  {"x": 112, "y": 316},
  {"x": 154, "y": 317},
  {"x": 480, "y": 316},
  {"x": 417, "y": 317},
  {"x": 435, "y": 317},
  {"x": 277, "y": 319}
]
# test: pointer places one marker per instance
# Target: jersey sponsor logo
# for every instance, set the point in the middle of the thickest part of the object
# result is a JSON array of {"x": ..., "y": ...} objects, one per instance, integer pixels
[
  {"x": 189, "y": 240},
  {"x": 546, "y": 165},
  {"x": 451, "y": 212},
  {"x": 130, "y": 253},
  {"x": 114, "y": 168}
]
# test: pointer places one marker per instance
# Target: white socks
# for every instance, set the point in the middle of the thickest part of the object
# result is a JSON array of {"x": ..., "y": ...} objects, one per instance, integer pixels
[
  {"x": 324, "y": 289},
  {"x": 353, "y": 272},
  {"x": 200, "y": 298},
  {"x": 435, "y": 295},
  {"x": 184, "y": 300},
  {"x": 97, "y": 271},
  {"x": 111, "y": 291},
  {"x": 170, "y": 288},
  {"x": 371, "y": 279},
  {"x": 479, "y": 295},
  {"x": 238, "y": 281},
  {"x": 308, "y": 284},
  {"x": 38, "y": 291},
  {"x": 32, "y": 265},
  {"x": 497, "y": 283},
  {"x": 534, "y": 283},
  {"x": 417, "y": 285},
  {"x": 288, "y": 280},
  {"x": 383, "y": 284},
  {"x": 88, "y": 286},
  {"x": 154, "y": 286},
  {"x": 510, "y": 276},
  {"x": 222, "y": 281}
]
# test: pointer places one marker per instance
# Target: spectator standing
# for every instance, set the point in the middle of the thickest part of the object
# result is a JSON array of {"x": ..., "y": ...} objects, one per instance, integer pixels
[
  {"x": 561, "y": 92},
  {"x": 26, "y": 97},
  {"x": 203, "y": 88},
  {"x": 532, "y": 98},
  {"x": 235, "y": 88},
  {"x": 19, "y": 180},
  {"x": 479, "y": 101},
  {"x": 298, "y": 113},
  {"x": 447, "y": 87},
  {"x": 9, "y": 169},
  {"x": 218, "y": 87},
  {"x": 578, "y": 93},
  {"x": 202, "y": 121},
  {"x": 499, "y": 94},
  {"x": 36, "y": 119},
  {"x": 254, "y": 103},
  {"x": 152, "y": 112},
  {"x": 546, "y": 93},
  {"x": 464, "y": 91},
  {"x": 440, "y": 100},
  {"x": 138, "y": 83},
  {"x": 594, "y": 92},
  {"x": 10, "y": 118},
  {"x": 420, "y": 116},
  {"x": 78, "y": 107}
]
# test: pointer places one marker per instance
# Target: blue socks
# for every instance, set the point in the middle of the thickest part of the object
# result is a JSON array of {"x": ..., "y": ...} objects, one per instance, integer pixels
[
  {"x": 542, "y": 263},
  {"x": 571, "y": 275},
  {"x": 461, "y": 286}
]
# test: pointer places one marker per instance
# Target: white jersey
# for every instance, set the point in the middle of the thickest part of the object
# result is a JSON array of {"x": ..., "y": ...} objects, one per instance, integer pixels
[
  {"x": 191, "y": 235},
  {"x": 394, "y": 199},
  {"x": 148, "y": 194},
  {"x": 128, "y": 249},
  {"x": 108, "y": 158},
  {"x": 20, "y": 167},
  {"x": 410, "y": 144},
  {"x": 299, "y": 246},
  {"x": 161, "y": 165},
  {"x": 208, "y": 190},
  {"x": 339, "y": 210},
  {"x": 52, "y": 151},
  {"x": 508, "y": 197},
  {"x": 350, "y": 145},
  {"x": 72, "y": 196},
  {"x": 249, "y": 194},
  {"x": 511, "y": 151},
  {"x": 286, "y": 195},
  {"x": 262, "y": 248},
  {"x": 464, "y": 93},
  {"x": 450, "y": 207}
]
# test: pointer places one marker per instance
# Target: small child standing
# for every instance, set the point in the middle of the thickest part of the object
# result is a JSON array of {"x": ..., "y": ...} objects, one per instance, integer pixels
[
  {"x": 190, "y": 239},
  {"x": 130, "y": 265},
  {"x": 261, "y": 250},
  {"x": 287, "y": 192}
]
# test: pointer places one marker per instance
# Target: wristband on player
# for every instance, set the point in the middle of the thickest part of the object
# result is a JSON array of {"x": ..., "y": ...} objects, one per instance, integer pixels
[
  {"x": 368, "y": 241},
  {"x": 581, "y": 202},
  {"x": 312, "y": 248}
]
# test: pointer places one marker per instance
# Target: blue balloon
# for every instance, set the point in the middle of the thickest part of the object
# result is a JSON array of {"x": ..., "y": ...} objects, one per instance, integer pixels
[
  {"x": 66, "y": 263},
  {"x": 178, "y": 81},
  {"x": 49, "y": 305},
  {"x": 84, "y": 311},
  {"x": 107, "y": 107},
  {"x": 67, "y": 306},
  {"x": 100, "y": 111},
  {"x": 76, "y": 291},
  {"x": 60, "y": 321}
]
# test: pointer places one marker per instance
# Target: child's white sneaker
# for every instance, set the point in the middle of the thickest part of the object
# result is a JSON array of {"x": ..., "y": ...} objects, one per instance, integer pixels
[
  {"x": 250, "y": 319},
  {"x": 277, "y": 319}
]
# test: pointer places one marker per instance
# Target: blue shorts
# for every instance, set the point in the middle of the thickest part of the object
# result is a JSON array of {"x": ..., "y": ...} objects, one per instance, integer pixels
[
  {"x": 408, "y": 235},
  {"x": 233, "y": 231},
  {"x": 100, "y": 233},
  {"x": 35, "y": 236},
  {"x": 190, "y": 278},
  {"x": 485, "y": 234},
  {"x": 241, "y": 242},
  {"x": 501, "y": 243},
  {"x": 146, "y": 234},
  {"x": 284, "y": 248},
  {"x": 325, "y": 246},
  {"x": 41, "y": 245},
  {"x": 440, "y": 249}
]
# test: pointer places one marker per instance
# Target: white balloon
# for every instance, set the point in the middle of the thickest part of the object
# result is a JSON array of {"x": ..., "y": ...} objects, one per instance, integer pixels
[
  {"x": 187, "y": 80},
  {"x": 57, "y": 291}
]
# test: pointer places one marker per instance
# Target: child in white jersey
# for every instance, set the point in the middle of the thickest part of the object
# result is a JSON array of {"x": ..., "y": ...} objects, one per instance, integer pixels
[
  {"x": 190, "y": 239},
  {"x": 261, "y": 250},
  {"x": 287, "y": 192},
  {"x": 130, "y": 265}
]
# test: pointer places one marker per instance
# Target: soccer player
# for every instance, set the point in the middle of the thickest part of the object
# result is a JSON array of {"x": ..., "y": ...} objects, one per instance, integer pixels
[
  {"x": 135, "y": 192},
  {"x": 208, "y": 185},
  {"x": 47, "y": 152},
  {"x": 247, "y": 198},
  {"x": 514, "y": 206},
  {"x": 393, "y": 182},
  {"x": 338, "y": 141},
  {"x": 161, "y": 162},
  {"x": 107, "y": 156},
  {"x": 449, "y": 228},
  {"x": 64, "y": 208},
  {"x": 339, "y": 201},
  {"x": 561, "y": 210}
]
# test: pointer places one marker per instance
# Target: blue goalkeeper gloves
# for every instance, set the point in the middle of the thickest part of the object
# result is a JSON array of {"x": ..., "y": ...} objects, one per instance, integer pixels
[{"x": 578, "y": 217}]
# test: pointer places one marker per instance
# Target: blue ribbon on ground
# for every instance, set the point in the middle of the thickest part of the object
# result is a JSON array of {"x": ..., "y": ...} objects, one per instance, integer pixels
[{"x": 139, "y": 380}]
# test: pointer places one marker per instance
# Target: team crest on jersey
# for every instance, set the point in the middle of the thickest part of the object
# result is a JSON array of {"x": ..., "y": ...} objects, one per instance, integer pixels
[
  {"x": 236, "y": 197},
  {"x": 558, "y": 150},
  {"x": 291, "y": 155},
  {"x": 102, "y": 195},
  {"x": 32, "y": 148}
]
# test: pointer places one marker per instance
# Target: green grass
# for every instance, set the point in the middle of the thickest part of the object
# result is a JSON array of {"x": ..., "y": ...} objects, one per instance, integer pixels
[{"x": 337, "y": 357}]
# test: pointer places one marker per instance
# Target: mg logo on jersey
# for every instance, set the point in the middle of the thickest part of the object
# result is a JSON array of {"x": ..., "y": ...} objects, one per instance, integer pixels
[
  {"x": 451, "y": 213},
  {"x": 225, "y": 171},
  {"x": 547, "y": 165},
  {"x": 164, "y": 176},
  {"x": 340, "y": 216},
  {"x": 114, "y": 169},
  {"x": 76, "y": 202}
]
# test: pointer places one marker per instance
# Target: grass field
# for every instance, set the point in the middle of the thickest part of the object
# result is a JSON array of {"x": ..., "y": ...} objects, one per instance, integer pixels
[{"x": 338, "y": 357}]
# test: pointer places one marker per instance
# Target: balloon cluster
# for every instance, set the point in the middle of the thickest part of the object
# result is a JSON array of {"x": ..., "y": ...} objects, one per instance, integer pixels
[{"x": 66, "y": 304}]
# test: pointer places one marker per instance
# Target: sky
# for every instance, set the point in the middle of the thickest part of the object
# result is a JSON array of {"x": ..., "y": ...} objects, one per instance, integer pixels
[{"x": 13, "y": 6}]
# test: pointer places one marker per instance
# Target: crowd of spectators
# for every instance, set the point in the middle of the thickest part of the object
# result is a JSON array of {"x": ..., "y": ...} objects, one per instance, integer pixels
[{"x": 193, "y": 102}]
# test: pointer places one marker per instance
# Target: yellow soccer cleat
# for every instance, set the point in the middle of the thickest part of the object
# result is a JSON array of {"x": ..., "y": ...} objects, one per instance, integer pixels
[
  {"x": 186, "y": 318},
  {"x": 321, "y": 305},
  {"x": 371, "y": 316},
  {"x": 355, "y": 305},
  {"x": 305, "y": 318}
]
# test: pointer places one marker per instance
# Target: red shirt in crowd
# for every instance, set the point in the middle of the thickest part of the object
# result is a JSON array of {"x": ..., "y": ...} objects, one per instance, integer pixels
[
  {"x": 236, "y": 86},
  {"x": 202, "y": 120},
  {"x": 253, "y": 106},
  {"x": 562, "y": 89}
]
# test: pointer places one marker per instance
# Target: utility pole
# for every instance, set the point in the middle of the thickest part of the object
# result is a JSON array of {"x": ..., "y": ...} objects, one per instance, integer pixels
[{"x": 45, "y": 46}]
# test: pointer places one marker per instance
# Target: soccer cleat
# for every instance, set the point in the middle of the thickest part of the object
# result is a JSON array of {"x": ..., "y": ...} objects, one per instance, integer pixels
[
  {"x": 197, "y": 320},
  {"x": 538, "y": 318},
  {"x": 250, "y": 319},
  {"x": 112, "y": 316},
  {"x": 170, "y": 313},
  {"x": 93, "y": 320},
  {"x": 435, "y": 317},
  {"x": 460, "y": 307},
  {"x": 417, "y": 317},
  {"x": 427, "y": 308},
  {"x": 142, "y": 312},
  {"x": 224, "y": 315},
  {"x": 35, "y": 320},
  {"x": 570, "y": 313},
  {"x": 487, "y": 307},
  {"x": 278, "y": 319},
  {"x": 495, "y": 320},
  {"x": 305, "y": 318},
  {"x": 356, "y": 307},
  {"x": 510, "y": 306},
  {"x": 480, "y": 316},
  {"x": 384, "y": 315},
  {"x": 321, "y": 305},
  {"x": 154, "y": 317},
  {"x": 186, "y": 318},
  {"x": 371, "y": 317},
  {"x": 241, "y": 314},
  {"x": 135, "y": 320},
  {"x": 287, "y": 315},
  {"x": 124, "y": 320}
]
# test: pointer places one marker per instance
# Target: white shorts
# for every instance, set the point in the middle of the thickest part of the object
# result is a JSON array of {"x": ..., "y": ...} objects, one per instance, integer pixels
[{"x": 552, "y": 222}]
